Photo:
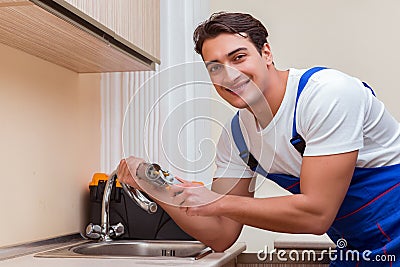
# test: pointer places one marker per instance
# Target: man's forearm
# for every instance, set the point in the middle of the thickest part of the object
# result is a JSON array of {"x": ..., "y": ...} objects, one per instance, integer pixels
[
  {"x": 290, "y": 214},
  {"x": 215, "y": 231}
]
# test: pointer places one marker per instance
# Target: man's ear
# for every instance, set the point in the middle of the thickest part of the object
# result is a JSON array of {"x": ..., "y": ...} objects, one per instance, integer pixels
[{"x": 267, "y": 54}]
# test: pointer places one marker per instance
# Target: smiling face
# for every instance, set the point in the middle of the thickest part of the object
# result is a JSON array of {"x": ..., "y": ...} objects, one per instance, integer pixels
[{"x": 236, "y": 68}]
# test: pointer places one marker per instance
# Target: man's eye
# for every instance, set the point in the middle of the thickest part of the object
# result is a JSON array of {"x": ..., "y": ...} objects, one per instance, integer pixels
[
  {"x": 214, "y": 68},
  {"x": 238, "y": 57}
]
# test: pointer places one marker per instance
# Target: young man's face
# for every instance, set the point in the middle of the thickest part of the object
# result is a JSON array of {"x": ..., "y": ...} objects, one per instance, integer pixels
[{"x": 236, "y": 68}]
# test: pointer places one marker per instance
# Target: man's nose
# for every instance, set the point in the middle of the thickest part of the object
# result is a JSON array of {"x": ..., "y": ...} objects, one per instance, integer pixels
[{"x": 230, "y": 75}]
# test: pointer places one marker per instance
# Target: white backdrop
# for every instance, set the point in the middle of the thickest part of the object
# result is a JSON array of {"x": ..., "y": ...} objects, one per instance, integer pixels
[{"x": 150, "y": 114}]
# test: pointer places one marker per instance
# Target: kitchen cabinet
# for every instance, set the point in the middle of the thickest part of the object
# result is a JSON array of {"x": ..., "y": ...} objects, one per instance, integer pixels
[
  {"x": 137, "y": 21},
  {"x": 59, "y": 32}
]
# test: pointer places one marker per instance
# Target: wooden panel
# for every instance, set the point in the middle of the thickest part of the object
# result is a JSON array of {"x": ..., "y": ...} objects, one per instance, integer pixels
[
  {"x": 137, "y": 21},
  {"x": 5, "y": 3},
  {"x": 13, "y": 1},
  {"x": 151, "y": 26},
  {"x": 43, "y": 34}
]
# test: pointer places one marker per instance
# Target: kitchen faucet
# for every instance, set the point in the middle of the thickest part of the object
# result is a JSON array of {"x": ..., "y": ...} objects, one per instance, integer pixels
[
  {"x": 105, "y": 232},
  {"x": 150, "y": 173}
]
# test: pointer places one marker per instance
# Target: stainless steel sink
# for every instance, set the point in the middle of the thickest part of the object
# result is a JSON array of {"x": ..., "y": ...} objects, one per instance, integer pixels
[{"x": 130, "y": 249}]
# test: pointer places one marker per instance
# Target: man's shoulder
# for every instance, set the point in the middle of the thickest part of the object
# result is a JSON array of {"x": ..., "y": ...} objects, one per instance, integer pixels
[
  {"x": 331, "y": 86},
  {"x": 329, "y": 76},
  {"x": 332, "y": 83}
]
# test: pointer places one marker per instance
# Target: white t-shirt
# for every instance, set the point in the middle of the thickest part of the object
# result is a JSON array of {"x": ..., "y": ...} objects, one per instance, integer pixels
[{"x": 336, "y": 113}]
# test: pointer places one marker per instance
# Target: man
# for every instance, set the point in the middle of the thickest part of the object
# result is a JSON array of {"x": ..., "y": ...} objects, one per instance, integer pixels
[{"x": 345, "y": 174}]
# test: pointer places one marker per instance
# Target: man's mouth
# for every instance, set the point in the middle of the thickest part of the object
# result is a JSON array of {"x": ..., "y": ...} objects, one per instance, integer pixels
[{"x": 238, "y": 87}]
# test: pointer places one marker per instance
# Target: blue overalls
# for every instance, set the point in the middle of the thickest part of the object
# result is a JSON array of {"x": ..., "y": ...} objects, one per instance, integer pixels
[{"x": 368, "y": 221}]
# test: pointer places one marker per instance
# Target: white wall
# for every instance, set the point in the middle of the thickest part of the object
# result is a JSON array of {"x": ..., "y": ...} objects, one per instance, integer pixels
[
  {"x": 357, "y": 37},
  {"x": 182, "y": 129},
  {"x": 50, "y": 147},
  {"x": 163, "y": 107}
]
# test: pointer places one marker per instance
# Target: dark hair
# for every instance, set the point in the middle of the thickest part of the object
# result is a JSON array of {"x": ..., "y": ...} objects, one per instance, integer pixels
[{"x": 235, "y": 23}]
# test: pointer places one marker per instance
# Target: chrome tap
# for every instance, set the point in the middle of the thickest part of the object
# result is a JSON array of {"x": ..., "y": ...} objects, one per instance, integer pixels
[
  {"x": 105, "y": 208},
  {"x": 105, "y": 232}
]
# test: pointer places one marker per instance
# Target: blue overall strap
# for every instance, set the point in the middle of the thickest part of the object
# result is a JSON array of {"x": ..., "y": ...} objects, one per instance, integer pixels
[
  {"x": 369, "y": 87},
  {"x": 288, "y": 182},
  {"x": 244, "y": 153},
  {"x": 297, "y": 141}
]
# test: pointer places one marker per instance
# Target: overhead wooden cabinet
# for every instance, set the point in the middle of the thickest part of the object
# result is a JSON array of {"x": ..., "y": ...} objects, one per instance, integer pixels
[{"x": 85, "y": 35}]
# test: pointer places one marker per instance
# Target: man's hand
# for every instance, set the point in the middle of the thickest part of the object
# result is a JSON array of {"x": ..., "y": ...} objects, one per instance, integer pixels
[
  {"x": 127, "y": 171},
  {"x": 195, "y": 198}
]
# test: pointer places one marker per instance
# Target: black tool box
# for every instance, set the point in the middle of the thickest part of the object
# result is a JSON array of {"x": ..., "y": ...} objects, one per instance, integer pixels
[{"x": 138, "y": 223}]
